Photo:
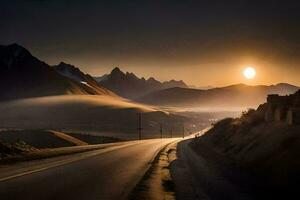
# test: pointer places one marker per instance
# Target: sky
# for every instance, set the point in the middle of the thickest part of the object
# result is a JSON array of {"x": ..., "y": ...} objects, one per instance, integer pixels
[{"x": 204, "y": 42}]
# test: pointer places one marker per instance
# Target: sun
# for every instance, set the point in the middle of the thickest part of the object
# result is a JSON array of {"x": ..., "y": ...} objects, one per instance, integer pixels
[{"x": 249, "y": 73}]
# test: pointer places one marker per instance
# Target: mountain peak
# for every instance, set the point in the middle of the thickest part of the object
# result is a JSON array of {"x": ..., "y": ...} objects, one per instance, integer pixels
[
  {"x": 15, "y": 50},
  {"x": 12, "y": 54},
  {"x": 63, "y": 63},
  {"x": 116, "y": 70},
  {"x": 66, "y": 67},
  {"x": 116, "y": 73},
  {"x": 15, "y": 45},
  {"x": 131, "y": 75},
  {"x": 285, "y": 84},
  {"x": 151, "y": 79},
  {"x": 131, "y": 86}
]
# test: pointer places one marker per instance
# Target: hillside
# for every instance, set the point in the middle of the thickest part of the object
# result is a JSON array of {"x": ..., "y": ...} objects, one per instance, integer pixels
[
  {"x": 234, "y": 96},
  {"x": 22, "y": 75},
  {"x": 75, "y": 74},
  {"x": 102, "y": 115},
  {"x": 265, "y": 147},
  {"x": 130, "y": 86}
]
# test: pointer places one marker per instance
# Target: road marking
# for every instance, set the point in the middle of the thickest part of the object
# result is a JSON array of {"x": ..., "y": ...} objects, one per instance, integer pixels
[{"x": 66, "y": 161}]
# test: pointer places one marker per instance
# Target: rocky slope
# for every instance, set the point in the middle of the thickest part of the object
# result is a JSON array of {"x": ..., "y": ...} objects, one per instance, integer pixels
[{"x": 74, "y": 73}]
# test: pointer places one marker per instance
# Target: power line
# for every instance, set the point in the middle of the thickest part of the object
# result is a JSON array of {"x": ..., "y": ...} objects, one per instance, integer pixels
[
  {"x": 161, "y": 130},
  {"x": 183, "y": 130},
  {"x": 140, "y": 125}
]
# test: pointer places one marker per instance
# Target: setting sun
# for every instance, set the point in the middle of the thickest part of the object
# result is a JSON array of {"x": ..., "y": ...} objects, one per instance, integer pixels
[{"x": 249, "y": 73}]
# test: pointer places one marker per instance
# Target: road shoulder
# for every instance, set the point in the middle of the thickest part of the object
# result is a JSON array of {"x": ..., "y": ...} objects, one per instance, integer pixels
[{"x": 157, "y": 182}]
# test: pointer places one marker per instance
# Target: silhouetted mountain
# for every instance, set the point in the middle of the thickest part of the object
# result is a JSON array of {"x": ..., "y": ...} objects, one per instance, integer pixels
[
  {"x": 233, "y": 96},
  {"x": 22, "y": 75},
  {"x": 74, "y": 73},
  {"x": 130, "y": 86}
]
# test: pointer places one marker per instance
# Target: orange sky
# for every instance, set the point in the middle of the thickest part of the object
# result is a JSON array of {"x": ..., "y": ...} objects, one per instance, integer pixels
[
  {"x": 204, "y": 43},
  {"x": 204, "y": 73}
]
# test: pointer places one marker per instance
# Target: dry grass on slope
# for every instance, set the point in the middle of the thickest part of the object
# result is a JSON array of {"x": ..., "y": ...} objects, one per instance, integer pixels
[{"x": 269, "y": 151}]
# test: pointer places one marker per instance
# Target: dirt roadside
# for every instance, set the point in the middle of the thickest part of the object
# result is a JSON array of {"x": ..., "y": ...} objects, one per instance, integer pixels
[{"x": 157, "y": 183}]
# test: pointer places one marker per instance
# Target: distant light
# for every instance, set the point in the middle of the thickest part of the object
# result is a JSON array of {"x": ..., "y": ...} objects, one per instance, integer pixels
[{"x": 249, "y": 73}]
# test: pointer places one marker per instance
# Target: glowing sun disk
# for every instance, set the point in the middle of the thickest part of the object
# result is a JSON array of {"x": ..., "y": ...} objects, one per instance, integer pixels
[{"x": 249, "y": 73}]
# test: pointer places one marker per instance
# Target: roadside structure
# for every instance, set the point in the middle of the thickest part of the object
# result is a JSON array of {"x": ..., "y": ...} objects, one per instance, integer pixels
[{"x": 284, "y": 109}]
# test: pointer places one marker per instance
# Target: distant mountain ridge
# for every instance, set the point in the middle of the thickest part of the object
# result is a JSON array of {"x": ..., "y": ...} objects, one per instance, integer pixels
[
  {"x": 130, "y": 86},
  {"x": 239, "y": 95},
  {"x": 23, "y": 75}
]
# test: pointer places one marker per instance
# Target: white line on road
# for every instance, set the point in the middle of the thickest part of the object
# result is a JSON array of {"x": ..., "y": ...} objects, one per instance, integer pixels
[{"x": 65, "y": 161}]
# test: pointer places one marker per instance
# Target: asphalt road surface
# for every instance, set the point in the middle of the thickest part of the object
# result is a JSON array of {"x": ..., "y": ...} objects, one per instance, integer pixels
[{"x": 109, "y": 173}]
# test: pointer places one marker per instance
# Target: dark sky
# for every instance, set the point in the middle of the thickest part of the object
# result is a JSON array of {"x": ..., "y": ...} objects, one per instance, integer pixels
[{"x": 202, "y": 42}]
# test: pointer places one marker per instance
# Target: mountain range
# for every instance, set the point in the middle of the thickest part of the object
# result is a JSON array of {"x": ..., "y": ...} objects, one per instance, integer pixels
[
  {"x": 35, "y": 95},
  {"x": 130, "y": 86},
  {"x": 22, "y": 75},
  {"x": 234, "y": 96}
]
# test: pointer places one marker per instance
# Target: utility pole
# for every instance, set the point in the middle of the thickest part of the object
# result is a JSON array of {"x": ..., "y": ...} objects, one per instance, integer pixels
[
  {"x": 140, "y": 125},
  {"x": 161, "y": 130},
  {"x": 183, "y": 130}
]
